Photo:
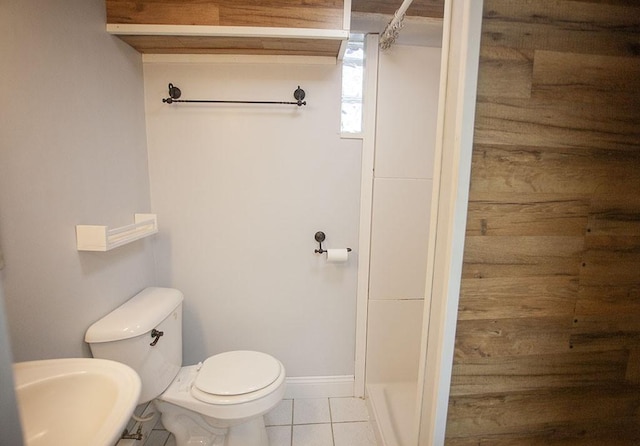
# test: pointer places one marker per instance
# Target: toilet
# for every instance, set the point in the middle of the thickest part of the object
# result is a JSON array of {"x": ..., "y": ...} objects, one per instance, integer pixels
[{"x": 218, "y": 402}]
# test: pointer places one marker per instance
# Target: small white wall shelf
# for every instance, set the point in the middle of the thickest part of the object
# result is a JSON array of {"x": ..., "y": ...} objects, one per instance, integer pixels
[{"x": 101, "y": 238}]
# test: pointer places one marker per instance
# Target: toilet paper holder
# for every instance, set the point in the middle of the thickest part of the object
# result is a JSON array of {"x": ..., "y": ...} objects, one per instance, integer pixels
[{"x": 320, "y": 236}]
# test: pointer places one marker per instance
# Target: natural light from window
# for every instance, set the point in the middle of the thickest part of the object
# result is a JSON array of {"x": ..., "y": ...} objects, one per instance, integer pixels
[{"x": 352, "y": 86}]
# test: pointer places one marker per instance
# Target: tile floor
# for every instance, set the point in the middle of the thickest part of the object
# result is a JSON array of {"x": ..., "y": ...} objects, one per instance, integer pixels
[{"x": 307, "y": 422}]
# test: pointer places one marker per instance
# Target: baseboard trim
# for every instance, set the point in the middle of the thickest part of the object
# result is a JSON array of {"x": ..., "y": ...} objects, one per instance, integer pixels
[{"x": 319, "y": 386}]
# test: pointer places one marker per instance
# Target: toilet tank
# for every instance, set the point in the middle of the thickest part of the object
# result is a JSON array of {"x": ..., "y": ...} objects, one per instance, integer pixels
[{"x": 125, "y": 335}]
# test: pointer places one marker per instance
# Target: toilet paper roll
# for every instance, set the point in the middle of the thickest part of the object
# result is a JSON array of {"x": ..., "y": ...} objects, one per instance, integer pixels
[{"x": 337, "y": 255}]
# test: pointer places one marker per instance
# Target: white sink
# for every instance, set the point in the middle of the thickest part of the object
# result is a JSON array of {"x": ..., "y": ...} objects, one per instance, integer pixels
[{"x": 75, "y": 402}]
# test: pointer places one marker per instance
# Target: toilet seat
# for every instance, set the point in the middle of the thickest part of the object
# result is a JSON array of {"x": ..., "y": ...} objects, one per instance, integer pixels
[{"x": 236, "y": 377}]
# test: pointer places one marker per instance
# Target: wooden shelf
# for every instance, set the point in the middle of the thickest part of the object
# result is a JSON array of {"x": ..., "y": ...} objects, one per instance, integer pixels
[
  {"x": 311, "y": 28},
  {"x": 197, "y": 39}
]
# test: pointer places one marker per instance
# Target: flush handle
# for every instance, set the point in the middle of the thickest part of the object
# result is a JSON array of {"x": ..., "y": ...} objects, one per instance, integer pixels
[{"x": 155, "y": 334}]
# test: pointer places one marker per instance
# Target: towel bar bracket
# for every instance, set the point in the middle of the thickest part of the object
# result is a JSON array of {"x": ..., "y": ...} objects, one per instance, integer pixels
[{"x": 320, "y": 237}]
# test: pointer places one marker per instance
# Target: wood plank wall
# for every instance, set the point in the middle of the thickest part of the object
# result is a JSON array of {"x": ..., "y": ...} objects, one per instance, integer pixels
[
  {"x": 548, "y": 339},
  {"x": 326, "y": 14}
]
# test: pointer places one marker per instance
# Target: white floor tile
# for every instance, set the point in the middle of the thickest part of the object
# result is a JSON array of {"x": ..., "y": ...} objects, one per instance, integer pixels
[
  {"x": 312, "y": 425},
  {"x": 280, "y": 415},
  {"x": 312, "y": 435},
  {"x": 311, "y": 410},
  {"x": 354, "y": 434},
  {"x": 279, "y": 435},
  {"x": 348, "y": 409},
  {"x": 157, "y": 438},
  {"x": 171, "y": 441},
  {"x": 158, "y": 425}
]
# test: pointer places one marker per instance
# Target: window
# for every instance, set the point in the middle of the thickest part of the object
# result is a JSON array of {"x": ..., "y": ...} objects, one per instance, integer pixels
[{"x": 352, "y": 86}]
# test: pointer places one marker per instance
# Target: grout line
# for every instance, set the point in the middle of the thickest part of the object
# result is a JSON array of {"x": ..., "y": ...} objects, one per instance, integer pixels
[
  {"x": 293, "y": 402},
  {"x": 293, "y": 406},
  {"x": 321, "y": 423},
  {"x": 333, "y": 440},
  {"x": 353, "y": 421}
]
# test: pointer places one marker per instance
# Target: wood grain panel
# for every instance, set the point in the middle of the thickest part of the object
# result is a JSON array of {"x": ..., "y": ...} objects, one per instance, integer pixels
[
  {"x": 632, "y": 374},
  {"x": 527, "y": 214},
  {"x": 608, "y": 305},
  {"x": 505, "y": 72},
  {"x": 520, "y": 169},
  {"x": 587, "y": 78},
  {"x": 599, "y": 341},
  {"x": 553, "y": 123},
  {"x": 617, "y": 213},
  {"x": 566, "y": 26},
  {"x": 224, "y": 45},
  {"x": 504, "y": 256},
  {"x": 622, "y": 431},
  {"x": 528, "y": 373},
  {"x": 548, "y": 335},
  {"x": 168, "y": 12},
  {"x": 519, "y": 297},
  {"x": 611, "y": 260},
  {"x": 419, "y": 8},
  {"x": 519, "y": 412},
  {"x": 608, "y": 300},
  {"x": 512, "y": 337},
  {"x": 324, "y": 14},
  {"x": 617, "y": 324}
]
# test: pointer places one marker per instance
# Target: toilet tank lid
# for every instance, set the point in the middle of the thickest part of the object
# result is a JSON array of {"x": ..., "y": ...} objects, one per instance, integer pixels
[{"x": 135, "y": 317}]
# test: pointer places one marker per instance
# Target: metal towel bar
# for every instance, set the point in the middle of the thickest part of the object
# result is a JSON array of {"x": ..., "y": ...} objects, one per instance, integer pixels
[{"x": 175, "y": 93}]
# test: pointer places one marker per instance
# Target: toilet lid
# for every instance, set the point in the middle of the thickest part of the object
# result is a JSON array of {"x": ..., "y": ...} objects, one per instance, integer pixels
[{"x": 237, "y": 373}]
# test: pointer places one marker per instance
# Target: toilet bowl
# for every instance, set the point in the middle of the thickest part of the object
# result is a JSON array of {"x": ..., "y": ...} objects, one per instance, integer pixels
[
  {"x": 233, "y": 415},
  {"x": 220, "y": 402}
]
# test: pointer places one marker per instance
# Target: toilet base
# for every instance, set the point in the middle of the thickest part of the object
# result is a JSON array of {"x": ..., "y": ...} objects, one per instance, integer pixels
[
  {"x": 193, "y": 429},
  {"x": 252, "y": 432}
]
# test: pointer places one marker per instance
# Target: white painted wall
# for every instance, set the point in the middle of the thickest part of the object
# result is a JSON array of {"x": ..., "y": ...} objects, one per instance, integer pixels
[
  {"x": 240, "y": 191},
  {"x": 73, "y": 151},
  {"x": 408, "y": 82}
]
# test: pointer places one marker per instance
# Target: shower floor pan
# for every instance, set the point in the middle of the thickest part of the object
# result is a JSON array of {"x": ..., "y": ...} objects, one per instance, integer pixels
[{"x": 393, "y": 410}]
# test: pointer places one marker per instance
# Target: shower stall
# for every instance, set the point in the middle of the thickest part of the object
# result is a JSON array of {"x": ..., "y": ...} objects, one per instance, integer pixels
[
  {"x": 405, "y": 335},
  {"x": 407, "y": 103}
]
